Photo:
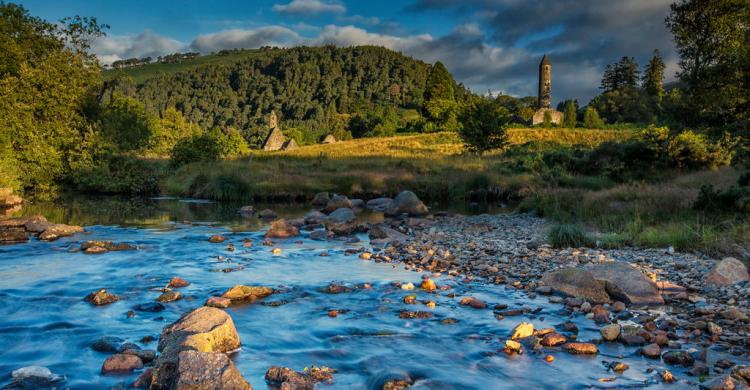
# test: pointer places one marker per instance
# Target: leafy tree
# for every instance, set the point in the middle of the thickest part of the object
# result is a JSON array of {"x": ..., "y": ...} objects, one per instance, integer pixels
[
  {"x": 653, "y": 76},
  {"x": 198, "y": 148},
  {"x": 440, "y": 99},
  {"x": 126, "y": 125},
  {"x": 591, "y": 119},
  {"x": 714, "y": 45},
  {"x": 625, "y": 105},
  {"x": 622, "y": 74},
  {"x": 172, "y": 128},
  {"x": 570, "y": 111},
  {"x": 483, "y": 126}
]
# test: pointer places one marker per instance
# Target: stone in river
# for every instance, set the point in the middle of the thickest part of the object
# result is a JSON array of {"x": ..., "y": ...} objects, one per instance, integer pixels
[
  {"x": 522, "y": 330},
  {"x": 34, "y": 377},
  {"x": 217, "y": 239},
  {"x": 267, "y": 214},
  {"x": 13, "y": 235},
  {"x": 286, "y": 378},
  {"x": 281, "y": 229},
  {"x": 59, "y": 230},
  {"x": 624, "y": 282},
  {"x": 101, "y": 297},
  {"x": 320, "y": 199},
  {"x": 576, "y": 282},
  {"x": 178, "y": 282},
  {"x": 337, "y": 202},
  {"x": 553, "y": 339},
  {"x": 152, "y": 307},
  {"x": 581, "y": 348},
  {"x": 601, "y": 314},
  {"x": 144, "y": 380},
  {"x": 727, "y": 272},
  {"x": 610, "y": 332},
  {"x": 169, "y": 296},
  {"x": 651, "y": 351},
  {"x": 341, "y": 215},
  {"x": 146, "y": 355},
  {"x": 378, "y": 204},
  {"x": 108, "y": 344},
  {"x": 396, "y": 384},
  {"x": 121, "y": 364},
  {"x": 95, "y": 250},
  {"x": 406, "y": 203},
  {"x": 473, "y": 302},
  {"x": 247, "y": 293},
  {"x": 682, "y": 358},
  {"x": 208, "y": 370},
  {"x": 219, "y": 302}
]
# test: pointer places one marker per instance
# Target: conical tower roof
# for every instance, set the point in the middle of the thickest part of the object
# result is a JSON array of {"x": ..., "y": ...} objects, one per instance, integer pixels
[{"x": 545, "y": 61}]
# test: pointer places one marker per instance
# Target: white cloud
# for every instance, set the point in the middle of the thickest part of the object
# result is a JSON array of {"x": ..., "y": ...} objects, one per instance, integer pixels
[
  {"x": 145, "y": 44},
  {"x": 307, "y": 7},
  {"x": 354, "y": 36},
  {"x": 237, "y": 38}
]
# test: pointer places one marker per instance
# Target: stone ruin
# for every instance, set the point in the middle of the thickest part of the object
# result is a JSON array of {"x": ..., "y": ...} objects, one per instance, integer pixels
[
  {"x": 275, "y": 139},
  {"x": 545, "y": 96},
  {"x": 329, "y": 139}
]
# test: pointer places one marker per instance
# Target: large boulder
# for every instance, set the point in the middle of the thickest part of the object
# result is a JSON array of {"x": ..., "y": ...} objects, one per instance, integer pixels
[
  {"x": 240, "y": 293},
  {"x": 341, "y": 215},
  {"x": 190, "y": 349},
  {"x": 406, "y": 202},
  {"x": 321, "y": 199},
  {"x": 337, "y": 202},
  {"x": 314, "y": 217},
  {"x": 727, "y": 272},
  {"x": 624, "y": 282},
  {"x": 33, "y": 377},
  {"x": 288, "y": 379},
  {"x": 378, "y": 204},
  {"x": 381, "y": 235},
  {"x": 59, "y": 230},
  {"x": 282, "y": 229},
  {"x": 577, "y": 282},
  {"x": 13, "y": 235}
]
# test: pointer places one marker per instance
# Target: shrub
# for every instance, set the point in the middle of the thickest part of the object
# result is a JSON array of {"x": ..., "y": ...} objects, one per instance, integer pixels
[
  {"x": 202, "y": 147},
  {"x": 568, "y": 235},
  {"x": 591, "y": 119},
  {"x": 119, "y": 175},
  {"x": 691, "y": 150},
  {"x": 483, "y": 126}
]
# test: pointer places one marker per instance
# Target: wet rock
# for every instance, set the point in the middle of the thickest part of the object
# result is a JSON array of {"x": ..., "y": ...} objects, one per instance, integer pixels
[
  {"x": 618, "y": 307},
  {"x": 267, "y": 214},
  {"x": 107, "y": 344},
  {"x": 610, "y": 332},
  {"x": 667, "y": 377},
  {"x": 177, "y": 282},
  {"x": 320, "y": 199},
  {"x": 319, "y": 235},
  {"x": 95, "y": 250},
  {"x": 396, "y": 384},
  {"x": 406, "y": 202},
  {"x": 169, "y": 296},
  {"x": 144, "y": 380},
  {"x": 101, "y": 297},
  {"x": 382, "y": 235},
  {"x": 601, "y": 314},
  {"x": 428, "y": 285},
  {"x": 473, "y": 302},
  {"x": 281, "y": 229},
  {"x": 682, "y": 358},
  {"x": 619, "y": 367},
  {"x": 241, "y": 293},
  {"x": 208, "y": 370},
  {"x": 151, "y": 307},
  {"x": 512, "y": 346},
  {"x": 378, "y": 204},
  {"x": 713, "y": 329},
  {"x": 723, "y": 382},
  {"x": 93, "y": 247},
  {"x": 414, "y": 314},
  {"x": 358, "y": 205},
  {"x": 727, "y": 272},
  {"x": 217, "y": 239},
  {"x": 581, "y": 348},
  {"x": 218, "y": 302},
  {"x": 247, "y": 211},
  {"x": 288, "y": 379},
  {"x": 553, "y": 339},
  {"x": 121, "y": 364},
  {"x": 576, "y": 282},
  {"x": 651, "y": 351},
  {"x": 56, "y": 231},
  {"x": 522, "y": 330},
  {"x": 341, "y": 215},
  {"x": 314, "y": 217},
  {"x": 34, "y": 377},
  {"x": 734, "y": 314},
  {"x": 626, "y": 283},
  {"x": 337, "y": 202},
  {"x": 13, "y": 235},
  {"x": 146, "y": 355}
]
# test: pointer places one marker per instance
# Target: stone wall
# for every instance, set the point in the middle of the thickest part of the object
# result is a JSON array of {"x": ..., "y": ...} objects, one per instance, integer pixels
[{"x": 538, "y": 118}]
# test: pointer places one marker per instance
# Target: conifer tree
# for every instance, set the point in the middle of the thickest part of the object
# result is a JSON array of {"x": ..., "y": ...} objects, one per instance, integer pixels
[{"x": 653, "y": 76}]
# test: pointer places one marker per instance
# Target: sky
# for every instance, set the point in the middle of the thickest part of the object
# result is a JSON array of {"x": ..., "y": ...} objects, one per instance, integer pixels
[{"x": 488, "y": 45}]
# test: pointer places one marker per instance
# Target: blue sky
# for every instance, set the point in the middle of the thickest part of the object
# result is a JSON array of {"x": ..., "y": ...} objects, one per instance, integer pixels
[{"x": 487, "y": 44}]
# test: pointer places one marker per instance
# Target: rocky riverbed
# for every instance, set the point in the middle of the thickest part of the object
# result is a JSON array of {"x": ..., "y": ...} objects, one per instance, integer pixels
[{"x": 334, "y": 300}]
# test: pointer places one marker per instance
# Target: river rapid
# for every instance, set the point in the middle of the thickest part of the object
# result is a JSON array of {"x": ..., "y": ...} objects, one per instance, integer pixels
[{"x": 44, "y": 320}]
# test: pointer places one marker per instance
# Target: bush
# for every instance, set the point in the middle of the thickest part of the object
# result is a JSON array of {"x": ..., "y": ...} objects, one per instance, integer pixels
[
  {"x": 591, "y": 119},
  {"x": 483, "y": 126},
  {"x": 202, "y": 147},
  {"x": 568, "y": 235},
  {"x": 691, "y": 150},
  {"x": 119, "y": 175}
]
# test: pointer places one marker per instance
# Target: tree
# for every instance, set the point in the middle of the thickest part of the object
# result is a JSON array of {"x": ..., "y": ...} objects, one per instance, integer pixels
[
  {"x": 591, "y": 119},
  {"x": 620, "y": 75},
  {"x": 570, "y": 110},
  {"x": 483, "y": 126},
  {"x": 625, "y": 105},
  {"x": 653, "y": 76},
  {"x": 713, "y": 42},
  {"x": 439, "y": 98}
]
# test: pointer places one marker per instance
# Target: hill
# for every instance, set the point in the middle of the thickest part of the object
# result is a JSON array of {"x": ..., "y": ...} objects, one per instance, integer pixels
[{"x": 316, "y": 90}]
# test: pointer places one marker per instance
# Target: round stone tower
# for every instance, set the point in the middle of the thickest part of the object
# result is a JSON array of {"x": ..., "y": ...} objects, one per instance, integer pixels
[{"x": 545, "y": 83}]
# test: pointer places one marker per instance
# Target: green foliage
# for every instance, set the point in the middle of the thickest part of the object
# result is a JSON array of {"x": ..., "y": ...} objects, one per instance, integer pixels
[
  {"x": 733, "y": 199},
  {"x": 547, "y": 120},
  {"x": 689, "y": 150},
  {"x": 653, "y": 76},
  {"x": 172, "y": 128},
  {"x": 118, "y": 175},
  {"x": 570, "y": 112},
  {"x": 714, "y": 45},
  {"x": 440, "y": 104},
  {"x": 198, "y": 148},
  {"x": 591, "y": 119},
  {"x": 127, "y": 127},
  {"x": 626, "y": 105},
  {"x": 483, "y": 126},
  {"x": 568, "y": 235},
  {"x": 623, "y": 74},
  {"x": 230, "y": 141}
]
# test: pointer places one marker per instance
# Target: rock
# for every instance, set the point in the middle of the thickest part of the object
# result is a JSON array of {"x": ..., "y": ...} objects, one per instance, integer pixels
[
  {"x": 34, "y": 377},
  {"x": 151, "y": 307},
  {"x": 208, "y": 370},
  {"x": 288, "y": 379},
  {"x": 121, "y": 364},
  {"x": 713, "y": 329},
  {"x": 619, "y": 367},
  {"x": 358, "y": 205},
  {"x": 203, "y": 331},
  {"x": 341, "y": 215},
  {"x": 144, "y": 380},
  {"x": 59, "y": 230},
  {"x": 247, "y": 211},
  {"x": 522, "y": 330},
  {"x": 177, "y": 282},
  {"x": 581, "y": 348},
  {"x": 281, "y": 229},
  {"x": 734, "y": 314},
  {"x": 473, "y": 302},
  {"x": 624, "y": 282},
  {"x": 267, "y": 214},
  {"x": 727, "y": 272},
  {"x": 553, "y": 339},
  {"x": 382, "y": 235},
  {"x": 682, "y": 358},
  {"x": 169, "y": 296},
  {"x": 378, "y": 204},
  {"x": 723, "y": 382},
  {"x": 610, "y": 332},
  {"x": 241, "y": 293},
  {"x": 512, "y": 346},
  {"x": 397, "y": 384},
  {"x": 344, "y": 228},
  {"x": 95, "y": 250},
  {"x": 107, "y": 344},
  {"x": 13, "y": 235},
  {"x": 601, "y": 315},
  {"x": 146, "y": 355},
  {"x": 106, "y": 245},
  {"x": 217, "y": 239},
  {"x": 576, "y": 282},
  {"x": 319, "y": 235},
  {"x": 406, "y": 202},
  {"x": 101, "y": 297},
  {"x": 320, "y": 199},
  {"x": 314, "y": 217},
  {"x": 428, "y": 285},
  {"x": 36, "y": 224},
  {"x": 618, "y": 307},
  {"x": 219, "y": 302},
  {"x": 337, "y": 202},
  {"x": 651, "y": 351}
]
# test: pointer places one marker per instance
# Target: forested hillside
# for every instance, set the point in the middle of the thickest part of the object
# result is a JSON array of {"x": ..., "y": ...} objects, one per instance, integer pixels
[{"x": 316, "y": 90}]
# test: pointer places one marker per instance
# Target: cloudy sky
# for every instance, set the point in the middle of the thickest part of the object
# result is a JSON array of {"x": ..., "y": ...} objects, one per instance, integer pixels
[{"x": 490, "y": 45}]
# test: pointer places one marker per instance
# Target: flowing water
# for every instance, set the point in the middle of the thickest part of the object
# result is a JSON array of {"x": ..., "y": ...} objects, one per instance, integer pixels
[{"x": 44, "y": 320}]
